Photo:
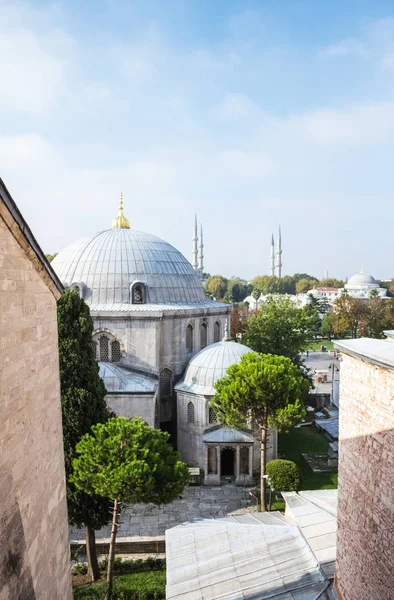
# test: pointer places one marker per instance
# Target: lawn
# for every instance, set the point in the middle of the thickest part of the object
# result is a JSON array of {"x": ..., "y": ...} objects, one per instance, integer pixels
[
  {"x": 315, "y": 345},
  {"x": 307, "y": 439},
  {"x": 150, "y": 585}
]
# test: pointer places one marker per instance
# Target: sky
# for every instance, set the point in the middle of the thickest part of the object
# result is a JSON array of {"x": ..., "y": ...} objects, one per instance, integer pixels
[{"x": 249, "y": 113}]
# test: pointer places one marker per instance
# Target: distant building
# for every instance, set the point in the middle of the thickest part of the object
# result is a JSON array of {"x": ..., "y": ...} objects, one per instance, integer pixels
[
  {"x": 361, "y": 285},
  {"x": 365, "y": 545},
  {"x": 34, "y": 549},
  {"x": 325, "y": 293}
]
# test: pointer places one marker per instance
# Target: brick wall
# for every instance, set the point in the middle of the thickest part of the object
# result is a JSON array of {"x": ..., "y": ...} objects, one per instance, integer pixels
[
  {"x": 34, "y": 552},
  {"x": 365, "y": 547}
]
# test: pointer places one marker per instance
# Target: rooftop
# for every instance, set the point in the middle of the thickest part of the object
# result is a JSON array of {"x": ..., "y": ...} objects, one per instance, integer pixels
[{"x": 378, "y": 352}]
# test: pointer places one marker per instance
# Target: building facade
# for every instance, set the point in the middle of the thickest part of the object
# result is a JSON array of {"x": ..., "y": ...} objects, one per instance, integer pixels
[
  {"x": 365, "y": 543},
  {"x": 34, "y": 549}
]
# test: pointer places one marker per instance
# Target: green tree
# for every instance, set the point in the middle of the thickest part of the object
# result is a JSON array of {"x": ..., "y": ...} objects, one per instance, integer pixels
[
  {"x": 326, "y": 326},
  {"x": 238, "y": 289},
  {"x": 266, "y": 389},
  {"x": 375, "y": 318},
  {"x": 127, "y": 461},
  {"x": 83, "y": 405},
  {"x": 50, "y": 257},
  {"x": 304, "y": 285},
  {"x": 285, "y": 475},
  {"x": 280, "y": 327},
  {"x": 331, "y": 282},
  {"x": 347, "y": 315},
  {"x": 298, "y": 276},
  {"x": 287, "y": 285},
  {"x": 216, "y": 286}
]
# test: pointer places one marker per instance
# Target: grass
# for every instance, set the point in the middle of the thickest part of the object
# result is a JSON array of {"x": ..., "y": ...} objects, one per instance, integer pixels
[
  {"x": 307, "y": 439},
  {"x": 149, "y": 585},
  {"x": 314, "y": 345}
]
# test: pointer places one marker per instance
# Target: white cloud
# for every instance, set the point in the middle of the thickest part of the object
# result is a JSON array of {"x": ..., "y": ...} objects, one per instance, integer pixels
[{"x": 349, "y": 47}]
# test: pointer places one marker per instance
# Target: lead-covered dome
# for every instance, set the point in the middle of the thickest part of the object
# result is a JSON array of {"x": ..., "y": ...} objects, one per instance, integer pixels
[
  {"x": 210, "y": 365},
  {"x": 361, "y": 280},
  {"x": 110, "y": 264}
]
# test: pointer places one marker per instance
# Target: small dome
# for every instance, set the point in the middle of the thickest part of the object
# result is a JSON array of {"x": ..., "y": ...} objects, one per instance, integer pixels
[
  {"x": 360, "y": 280},
  {"x": 109, "y": 262},
  {"x": 210, "y": 365}
]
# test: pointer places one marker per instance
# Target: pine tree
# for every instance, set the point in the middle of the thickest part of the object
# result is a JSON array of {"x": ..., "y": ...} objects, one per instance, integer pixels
[{"x": 83, "y": 405}]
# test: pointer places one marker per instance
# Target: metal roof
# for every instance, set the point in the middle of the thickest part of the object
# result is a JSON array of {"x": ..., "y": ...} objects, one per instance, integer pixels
[
  {"x": 254, "y": 557},
  {"x": 210, "y": 365},
  {"x": 108, "y": 262},
  {"x": 124, "y": 380},
  {"x": 229, "y": 435},
  {"x": 379, "y": 352}
]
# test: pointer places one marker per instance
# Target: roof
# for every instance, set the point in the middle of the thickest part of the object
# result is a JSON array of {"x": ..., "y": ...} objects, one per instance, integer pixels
[
  {"x": 326, "y": 289},
  {"x": 250, "y": 556},
  {"x": 360, "y": 280},
  {"x": 210, "y": 365},
  {"x": 228, "y": 435},
  {"x": 30, "y": 240},
  {"x": 315, "y": 513},
  {"x": 378, "y": 352},
  {"x": 109, "y": 262},
  {"x": 121, "y": 379}
]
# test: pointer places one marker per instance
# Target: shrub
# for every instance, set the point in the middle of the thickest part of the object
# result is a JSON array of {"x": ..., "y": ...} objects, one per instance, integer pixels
[
  {"x": 80, "y": 569},
  {"x": 285, "y": 475}
]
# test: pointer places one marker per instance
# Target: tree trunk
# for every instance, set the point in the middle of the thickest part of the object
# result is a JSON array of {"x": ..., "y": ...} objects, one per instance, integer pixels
[
  {"x": 111, "y": 558},
  {"x": 91, "y": 553},
  {"x": 263, "y": 455}
]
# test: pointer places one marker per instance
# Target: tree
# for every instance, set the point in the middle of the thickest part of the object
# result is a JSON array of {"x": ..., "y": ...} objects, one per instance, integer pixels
[
  {"x": 326, "y": 326},
  {"x": 238, "y": 289},
  {"x": 50, "y": 257},
  {"x": 127, "y": 461},
  {"x": 83, "y": 405},
  {"x": 331, "y": 282},
  {"x": 304, "y": 285},
  {"x": 280, "y": 327},
  {"x": 347, "y": 314},
  {"x": 266, "y": 389},
  {"x": 285, "y": 475},
  {"x": 299, "y": 276},
  {"x": 375, "y": 318},
  {"x": 216, "y": 286},
  {"x": 287, "y": 285}
]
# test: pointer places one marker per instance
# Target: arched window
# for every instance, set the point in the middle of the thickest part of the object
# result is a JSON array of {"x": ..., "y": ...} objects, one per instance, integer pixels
[
  {"x": 165, "y": 383},
  {"x": 212, "y": 418},
  {"x": 94, "y": 348},
  {"x": 190, "y": 413},
  {"x": 115, "y": 351},
  {"x": 203, "y": 335},
  {"x": 138, "y": 293},
  {"x": 244, "y": 460},
  {"x": 216, "y": 332},
  {"x": 189, "y": 337},
  {"x": 104, "y": 348}
]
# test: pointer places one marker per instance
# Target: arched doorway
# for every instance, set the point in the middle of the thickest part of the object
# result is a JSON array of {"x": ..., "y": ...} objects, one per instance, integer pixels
[{"x": 227, "y": 462}]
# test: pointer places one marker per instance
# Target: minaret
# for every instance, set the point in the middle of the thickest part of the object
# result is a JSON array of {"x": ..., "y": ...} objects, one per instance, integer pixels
[
  {"x": 279, "y": 256},
  {"x": 201, "y": 256},
  {"x": 195, "y": 250},
  {"x": 272, "y": 258}
]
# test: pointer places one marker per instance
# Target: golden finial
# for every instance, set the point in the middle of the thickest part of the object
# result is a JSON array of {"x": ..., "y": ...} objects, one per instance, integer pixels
[
  {"x": 120, "y": 222},
  {"x": 362, "y": 269}
]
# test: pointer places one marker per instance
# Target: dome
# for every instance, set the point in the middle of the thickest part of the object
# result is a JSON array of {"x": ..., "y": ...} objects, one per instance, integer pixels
[
  {"x": 361, "y": 280},
  {"x": 105, "y": 266},
  {"x": 210, "y": 365}
]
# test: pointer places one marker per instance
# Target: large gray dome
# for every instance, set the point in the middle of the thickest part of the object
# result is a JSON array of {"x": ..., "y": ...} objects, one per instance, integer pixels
[{"x": 106, "y": 265}]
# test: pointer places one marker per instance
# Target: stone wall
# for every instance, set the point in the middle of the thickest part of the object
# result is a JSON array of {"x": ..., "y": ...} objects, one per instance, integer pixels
[
  {"x": 34, "y": 553},
  {"x": 365, "y": 547}
]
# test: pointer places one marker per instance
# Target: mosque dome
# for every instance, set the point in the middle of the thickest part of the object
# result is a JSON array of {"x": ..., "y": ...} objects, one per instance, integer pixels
[
  {"x": 210, "y": 365},
  {"x": 121, "y": 266},
  {"x": 361, "y": 280}
]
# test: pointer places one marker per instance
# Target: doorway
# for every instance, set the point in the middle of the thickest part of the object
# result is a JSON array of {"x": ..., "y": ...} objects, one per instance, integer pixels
[{"x": 227, "y": 462}]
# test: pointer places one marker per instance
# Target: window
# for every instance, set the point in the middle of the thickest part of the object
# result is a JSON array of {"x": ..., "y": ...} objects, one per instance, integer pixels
[
  {"x": 216, "y": 332},
  {"x": 104, "y": 348},
  {"x": 94, "y": 348},
  {"x": 165, "y": 383},
  {"x": 212, "y": 461},
  {"x": 212, "y": 418},
  {"x": 244, "y": 460},
  {"x": 190, "y": 413},
  {"x": 203, "y": 335},
  {"x": 189, "y": 337},
  {"x": 115, "y": 351},
  {"x": 138, "y": 293}
]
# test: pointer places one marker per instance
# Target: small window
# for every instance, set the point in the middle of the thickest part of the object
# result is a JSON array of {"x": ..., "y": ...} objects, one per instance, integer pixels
[
  {"x": 216, "y": 332},
  {"x": 212, "y": 416},
  {"x": 138, "y": 294},
  {"x": 104, "y": 348},
  {"x": 190, "y": 413},
  {"x": 165, "y": 383},
  {"x": 189, "y": 337},
  {"x": 115, "y": 351},
  {"x": 203, "y": 335}
]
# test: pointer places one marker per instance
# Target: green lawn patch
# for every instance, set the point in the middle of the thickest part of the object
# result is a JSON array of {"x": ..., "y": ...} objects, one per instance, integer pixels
[
  {"x": 315, "y": 345},
  {"x": 307, "y": 439},
  {"x": 150, "y": 585}
]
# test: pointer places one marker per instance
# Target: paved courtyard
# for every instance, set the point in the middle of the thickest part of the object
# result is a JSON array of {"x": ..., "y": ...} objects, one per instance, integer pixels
[{"x": 149, "y": 520}]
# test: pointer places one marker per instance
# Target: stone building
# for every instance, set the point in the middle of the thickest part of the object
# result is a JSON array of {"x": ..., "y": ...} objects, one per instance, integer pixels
[
  {"x": 218, "y": 451},
  {"x": 365, "y": 544},
  {"x": 34, "y": 550}
]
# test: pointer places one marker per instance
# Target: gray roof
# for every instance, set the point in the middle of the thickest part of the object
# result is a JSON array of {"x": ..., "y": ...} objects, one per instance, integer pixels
[
  {"x": 228, "y": 435},
  {"x": 379, "y": 352},
  {"x": 254, "y": 556},
  {"x": 108, "y": 262},
  {"x": 210, "y": 365},
  {"x": 121, "y": 379}
]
